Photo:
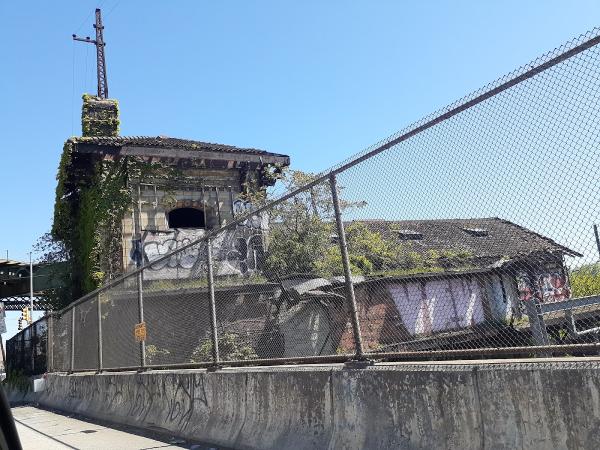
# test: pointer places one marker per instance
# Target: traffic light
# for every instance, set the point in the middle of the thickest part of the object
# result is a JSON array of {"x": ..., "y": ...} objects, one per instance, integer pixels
[
  {"x": 20, "y": 326},
  {"x": 26, "y": 315}
]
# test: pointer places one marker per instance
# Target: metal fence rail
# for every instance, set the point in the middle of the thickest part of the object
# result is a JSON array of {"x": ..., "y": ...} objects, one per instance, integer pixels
[{"x": 468, "y": 234}]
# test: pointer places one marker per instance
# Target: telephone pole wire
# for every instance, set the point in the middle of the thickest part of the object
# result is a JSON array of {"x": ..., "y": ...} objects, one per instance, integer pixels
[{"x": 100, "y": 54}]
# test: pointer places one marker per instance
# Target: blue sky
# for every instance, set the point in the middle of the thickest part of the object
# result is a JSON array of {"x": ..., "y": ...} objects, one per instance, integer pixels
[{"x": 316, "y": 80}]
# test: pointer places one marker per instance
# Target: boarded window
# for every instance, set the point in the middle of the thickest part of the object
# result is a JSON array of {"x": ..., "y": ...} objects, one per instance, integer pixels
[{"x": 186, "y": 218}]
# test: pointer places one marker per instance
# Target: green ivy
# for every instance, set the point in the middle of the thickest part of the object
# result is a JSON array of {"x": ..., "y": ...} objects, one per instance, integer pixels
[
  {"x": 90, "y": 205},
  {"x": 94, "y": 194}
]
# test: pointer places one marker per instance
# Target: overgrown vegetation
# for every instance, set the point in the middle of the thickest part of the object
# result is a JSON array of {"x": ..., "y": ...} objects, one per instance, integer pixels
[
  {"x": 231, "y": 348},
  {"x": 93, "y": 194},
  {"x": 17, "y": 380},
  {"x": 155, "y": 353},
  {"x": 99, "y": 117},
  {"x": 87, "y": 229}
]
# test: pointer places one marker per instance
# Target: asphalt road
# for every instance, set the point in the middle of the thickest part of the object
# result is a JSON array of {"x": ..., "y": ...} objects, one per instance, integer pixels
[{"x": 41, "y": 429}]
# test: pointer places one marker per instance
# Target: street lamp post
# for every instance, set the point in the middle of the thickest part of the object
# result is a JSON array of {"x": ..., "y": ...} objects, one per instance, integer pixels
[
  {"x": 30, "y": 288},
  {"x": 32, "y": 336}
]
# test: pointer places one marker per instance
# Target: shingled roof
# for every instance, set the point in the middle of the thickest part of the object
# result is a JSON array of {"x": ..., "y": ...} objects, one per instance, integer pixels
[
  {"x": 490, "y": 239},
  {"x": 167, "y": 143}
]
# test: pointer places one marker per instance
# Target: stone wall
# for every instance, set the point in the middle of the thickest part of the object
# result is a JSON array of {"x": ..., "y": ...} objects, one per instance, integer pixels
[{"x": 531, "y": 404}]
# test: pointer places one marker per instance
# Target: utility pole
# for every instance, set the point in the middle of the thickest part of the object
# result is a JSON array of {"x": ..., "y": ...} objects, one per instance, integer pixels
[{"x": 100, "y": 57}]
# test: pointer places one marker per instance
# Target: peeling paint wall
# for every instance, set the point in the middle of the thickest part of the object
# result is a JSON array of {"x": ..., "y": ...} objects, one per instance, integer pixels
[{"x": 438, "y": 305}]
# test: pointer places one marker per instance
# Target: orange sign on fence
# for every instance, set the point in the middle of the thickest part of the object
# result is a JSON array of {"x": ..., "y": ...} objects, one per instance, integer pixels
[{"x": 140, "y": 331}]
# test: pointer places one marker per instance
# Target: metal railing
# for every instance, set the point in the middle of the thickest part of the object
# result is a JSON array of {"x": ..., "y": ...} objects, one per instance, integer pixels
[{"x": 468, "y": 234}]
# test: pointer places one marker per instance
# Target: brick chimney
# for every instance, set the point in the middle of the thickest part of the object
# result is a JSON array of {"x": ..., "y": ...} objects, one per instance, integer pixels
[{"x": 99, "y": 117}]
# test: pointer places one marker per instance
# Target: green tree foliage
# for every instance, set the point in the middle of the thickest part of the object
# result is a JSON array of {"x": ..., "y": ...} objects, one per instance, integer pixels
[
  {"x": 301, "y": 228},
  {"x": 585, "y": 280},
  {"x": 55, "y": 255},
  {"x": 303, "y": 239},
  {"x": 368, "y": 251}
]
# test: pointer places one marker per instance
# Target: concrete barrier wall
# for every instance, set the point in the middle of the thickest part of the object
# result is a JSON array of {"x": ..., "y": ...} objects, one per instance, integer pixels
[{"x": 539, "y": 404}]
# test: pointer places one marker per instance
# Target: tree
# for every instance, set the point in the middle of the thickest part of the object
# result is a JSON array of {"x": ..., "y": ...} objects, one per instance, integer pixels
[
  {"x": 585, "y": 280},
  {"x": 303, "y": 239},
  {"x": 302, "y": 228},
  {"x": 55, "y": 254},
  {"x": 368, "y": 252}
]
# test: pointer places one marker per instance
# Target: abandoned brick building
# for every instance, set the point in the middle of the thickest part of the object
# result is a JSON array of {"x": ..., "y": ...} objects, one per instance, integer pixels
[
  {"x": 508, "y": 269},
  {"x": 122, "y": 201}
]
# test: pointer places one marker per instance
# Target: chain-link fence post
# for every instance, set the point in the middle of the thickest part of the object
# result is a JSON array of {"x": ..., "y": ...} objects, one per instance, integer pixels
[
  {"x": 72, "y": 364},
  {"x": 140, "y": 292},
  {"x": 350, "y": 297},
  {"x": 50, "y": 343},
  {"x": 99, "y": 312},
  {"x": 213, "y": 308},
  {"x": 33, "y": 336},
  {"x": 22, "y": 353},
  {"x": 536, "y": 323}
]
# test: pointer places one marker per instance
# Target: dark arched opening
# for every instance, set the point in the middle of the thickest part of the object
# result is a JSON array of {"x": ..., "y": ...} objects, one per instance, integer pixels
[{"x": 186, "y": 218}]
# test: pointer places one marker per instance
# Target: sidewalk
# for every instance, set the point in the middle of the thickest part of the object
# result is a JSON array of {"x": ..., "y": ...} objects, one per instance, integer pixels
[{"x": 41, "y": 429}]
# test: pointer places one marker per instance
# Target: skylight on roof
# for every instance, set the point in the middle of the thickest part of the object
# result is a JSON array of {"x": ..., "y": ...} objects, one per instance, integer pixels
[
  {"x": 479, "y": 232},
  {"x": 409, "y": 235}
]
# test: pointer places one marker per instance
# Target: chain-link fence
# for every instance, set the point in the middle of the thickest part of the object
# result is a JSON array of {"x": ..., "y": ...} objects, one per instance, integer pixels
[
  {"x": 27, "y": 352},
  {"x": 470, "y": 233}
]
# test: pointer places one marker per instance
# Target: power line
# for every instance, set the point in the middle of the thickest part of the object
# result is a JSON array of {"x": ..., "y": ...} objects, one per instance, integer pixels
[
  {"x": 88, "y": 16},
  {"x": 117, "y": 3}
]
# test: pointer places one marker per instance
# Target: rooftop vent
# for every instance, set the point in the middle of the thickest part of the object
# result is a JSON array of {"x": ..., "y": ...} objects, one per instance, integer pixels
[
  {"x": 409, "y": 235},
  {"x": 479, "y": 232}
]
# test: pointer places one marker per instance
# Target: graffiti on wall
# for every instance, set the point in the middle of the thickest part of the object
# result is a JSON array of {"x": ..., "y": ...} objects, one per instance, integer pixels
[
  {"x": 548, "y": 287},
  {"x": 241, "y": 250},
  {"x": 554, "y": 286},
  {"x": 525, "y": 286},
  {"x": 241, "y": 207},
  {"x": 186, "y": 263},
  {"x": 236, "y": 251}
]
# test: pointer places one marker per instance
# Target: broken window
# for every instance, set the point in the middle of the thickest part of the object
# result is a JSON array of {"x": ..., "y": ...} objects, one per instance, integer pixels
[{"x": 186, "y": 218}]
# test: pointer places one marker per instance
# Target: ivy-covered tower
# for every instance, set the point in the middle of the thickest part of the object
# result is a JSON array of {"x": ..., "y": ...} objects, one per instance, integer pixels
[{"x": 123, "y": 201}]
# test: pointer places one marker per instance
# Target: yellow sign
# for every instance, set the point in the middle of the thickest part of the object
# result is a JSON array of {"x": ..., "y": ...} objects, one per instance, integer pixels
[{"x": 140, "y": 332}]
